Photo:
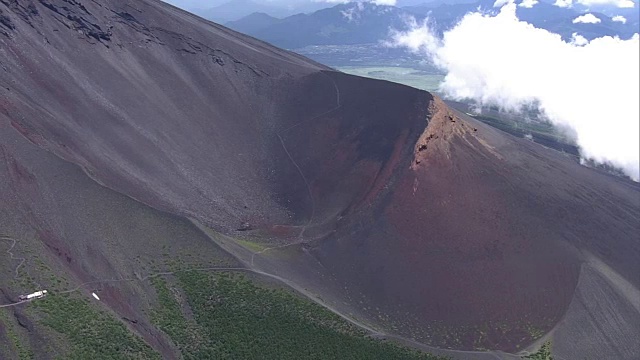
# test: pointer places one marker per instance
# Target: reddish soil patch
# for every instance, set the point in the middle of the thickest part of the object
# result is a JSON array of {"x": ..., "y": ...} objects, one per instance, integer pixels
[{"x": 462, "y": 252}]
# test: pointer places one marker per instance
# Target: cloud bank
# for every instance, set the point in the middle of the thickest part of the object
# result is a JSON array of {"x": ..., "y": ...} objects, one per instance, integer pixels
[
  {"x": 616, "y": 3},
  {"x": 587, "y": 19},
  {"x": 591, "y": 87},
  {"x": 619, "y": 18},
  {"x": 578, "y": 40}
]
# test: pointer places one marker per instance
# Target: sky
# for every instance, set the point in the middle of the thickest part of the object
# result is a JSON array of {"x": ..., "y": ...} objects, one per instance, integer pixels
[
  {"x": 205, "y": 4},
  {"x": 591, "y": 88}
]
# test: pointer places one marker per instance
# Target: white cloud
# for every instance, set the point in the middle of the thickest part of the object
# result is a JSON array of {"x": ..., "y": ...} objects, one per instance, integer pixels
[
  {"x": 384, "y": 2},
  {"x": 578, "y": 40},
  {"x": 587, "y": 19},
  {"x": 377, "y": 2},
  {"x": 563, "y": 3},
  {"x": 616, "y": 3},
  {"x": 528, "y": 3},
  {"x": 500, "y": 3},
  {"x": 619, "y": 18},
  {"x": 350, "y": 14},
  {"x": 354, "y": 13},
  {"x": 590, "y": 87}
]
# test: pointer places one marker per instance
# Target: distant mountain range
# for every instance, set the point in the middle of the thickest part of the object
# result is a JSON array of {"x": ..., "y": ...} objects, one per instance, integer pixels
[
  {"x": 361, "y": 23},
  {"x": 344, "y": 24},
  {"x": 222, "y": 12}
]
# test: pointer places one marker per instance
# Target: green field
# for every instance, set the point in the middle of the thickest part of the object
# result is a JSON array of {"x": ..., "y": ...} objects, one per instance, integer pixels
[{"x": 402, "y": 75}]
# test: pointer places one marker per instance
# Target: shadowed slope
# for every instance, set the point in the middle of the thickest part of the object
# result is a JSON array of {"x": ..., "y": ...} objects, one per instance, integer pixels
[{"x": 155, "y": 111}]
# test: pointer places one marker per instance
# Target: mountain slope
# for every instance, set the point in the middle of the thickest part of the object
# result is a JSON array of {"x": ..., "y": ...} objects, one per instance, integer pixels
[
  {"x": 236, "y": 9},
  {"x": 252, "y": 23},
  {"x": 370, "y": 198}
]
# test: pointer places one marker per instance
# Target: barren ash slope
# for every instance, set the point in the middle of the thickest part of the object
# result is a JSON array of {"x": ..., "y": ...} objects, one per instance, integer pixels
[{"x": 130, "y": 127}]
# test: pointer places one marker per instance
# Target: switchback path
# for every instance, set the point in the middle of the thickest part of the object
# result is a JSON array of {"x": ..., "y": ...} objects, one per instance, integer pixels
[
  {"x": 10, "y": 252},
  {"x": 13, "y": 257},
  {"x": 304, "y": 178}
]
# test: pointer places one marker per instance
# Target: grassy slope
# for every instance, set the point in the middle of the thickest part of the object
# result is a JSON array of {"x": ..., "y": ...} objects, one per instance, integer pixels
[
  {"x": 207, "y": 316},
  {"x": 91, "y": 333},
  {"x": 543, "y": 354},
  {"x": 235, "y": 318},
  {"x": 401, "y": 75}
]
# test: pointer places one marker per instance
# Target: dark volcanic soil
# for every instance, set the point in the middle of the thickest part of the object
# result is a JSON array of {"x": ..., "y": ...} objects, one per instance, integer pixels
[{"x": 454, "y": 233}]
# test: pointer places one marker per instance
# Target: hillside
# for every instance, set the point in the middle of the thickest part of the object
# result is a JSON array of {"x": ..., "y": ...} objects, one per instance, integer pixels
[
  {"x": 252, "y": 23},
  {"x": 173, "y": 166},
  {"x": 236, "y": 9}
]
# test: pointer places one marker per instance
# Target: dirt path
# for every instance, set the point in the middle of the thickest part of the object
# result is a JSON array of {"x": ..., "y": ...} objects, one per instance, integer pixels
[
  {"x": 372, "y": 332},
  {"x": 304, "y": 178},
  {"x": 11, "y": 254},
  {"x": 202, "y": 269},
  {"x": 13, "y": 257},
  {"x": 251, "y": 268}
]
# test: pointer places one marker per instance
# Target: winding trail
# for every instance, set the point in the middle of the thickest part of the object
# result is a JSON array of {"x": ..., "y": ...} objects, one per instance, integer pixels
[
  {"x": 373, "y": 333},
  {"x": 303, "y": 227},
  {"x": 22, "y": 261},
  {"x": 304, "y": 178},
  {"x": 205, "y": 269},
  {"x": 14, "y": 304},
  {"x": 300, "y": 241},
  {"x": 13, "y": 257},
  {"x": 10, "y": 252}
]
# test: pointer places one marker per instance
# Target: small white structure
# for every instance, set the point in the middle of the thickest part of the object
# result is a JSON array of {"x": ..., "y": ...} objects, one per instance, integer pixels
[
  {"x": 36, "y": 295},
  {"x": 95, "y": 296}
]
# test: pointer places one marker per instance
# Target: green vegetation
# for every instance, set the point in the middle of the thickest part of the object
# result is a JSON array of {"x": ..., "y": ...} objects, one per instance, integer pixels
[
  {"x": 540, "y": 132},
  {"x": 22, "y": 351},
  {"x": 235, "y": 319},
  {"x": 416, "y": 78},
  {"x": 534, "y": 331},
  {"x": 543, "y": 354},
  {"x": 92, "y": 334},
  {"x": 168, "y": 317},
  {"x": 253, "y": 246}
]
